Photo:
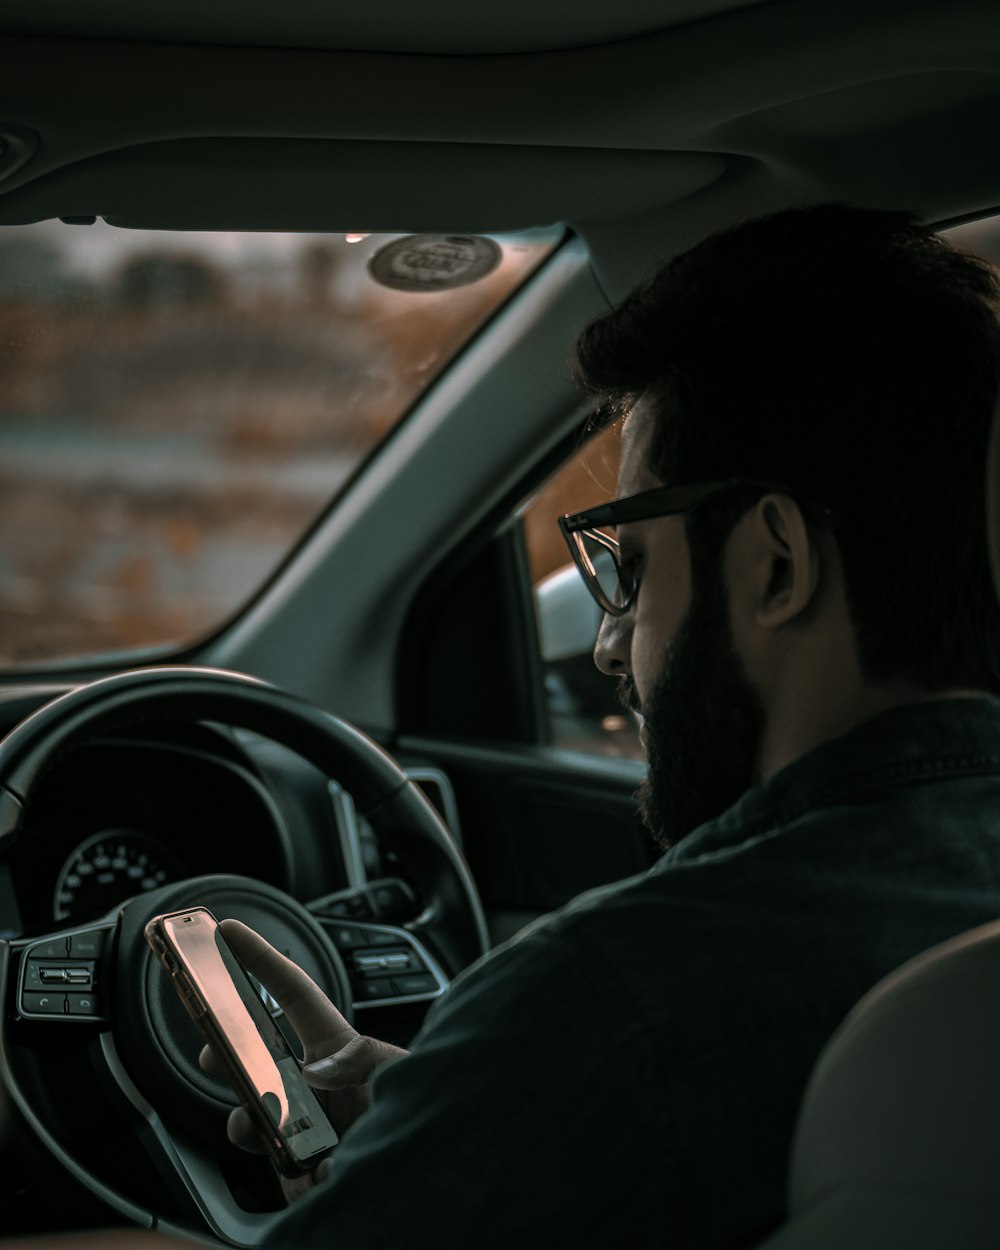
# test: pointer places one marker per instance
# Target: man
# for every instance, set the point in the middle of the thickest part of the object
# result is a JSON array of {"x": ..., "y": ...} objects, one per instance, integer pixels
[
  {"x": 802, "y": 613},
  {"x": 805, "y": 621}
]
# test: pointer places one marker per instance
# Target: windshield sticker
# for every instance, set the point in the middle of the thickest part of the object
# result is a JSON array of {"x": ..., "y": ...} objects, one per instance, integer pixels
[{"x": 434, "y": 262}]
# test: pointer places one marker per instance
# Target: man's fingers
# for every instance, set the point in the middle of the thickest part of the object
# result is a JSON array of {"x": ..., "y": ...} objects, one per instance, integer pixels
[
  {"x": 351, "y": 1066},
  {"x": 337, "y": 1058},
  {"x": 208, "y": 1062},
  {"x": 299, "y": 1186},
  {"x": 241, "y": 1132},
  {"x": 239, "y": 1127},
  {"x": 316, "y": 1020}
]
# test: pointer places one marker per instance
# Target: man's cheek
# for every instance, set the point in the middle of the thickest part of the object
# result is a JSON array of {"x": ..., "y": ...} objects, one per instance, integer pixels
[{"x": 648, "y": 663}]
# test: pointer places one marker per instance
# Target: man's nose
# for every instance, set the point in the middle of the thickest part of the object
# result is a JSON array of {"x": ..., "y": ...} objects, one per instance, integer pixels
[{"x": 613, "y": 647}]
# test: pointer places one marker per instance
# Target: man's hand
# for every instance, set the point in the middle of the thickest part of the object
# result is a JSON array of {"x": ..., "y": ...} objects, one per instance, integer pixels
[{"x": 338, "y": 1060}]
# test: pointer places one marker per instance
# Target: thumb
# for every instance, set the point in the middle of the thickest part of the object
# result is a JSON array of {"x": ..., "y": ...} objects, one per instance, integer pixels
[
  {"x": 314, "y": 1018},
  {"x": 351, "y": 1066}
]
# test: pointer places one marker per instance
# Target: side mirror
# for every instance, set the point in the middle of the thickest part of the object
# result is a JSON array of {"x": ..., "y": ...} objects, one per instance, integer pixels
[
  {"x": 568, "y": 617},
  {"x": 583, "y": 707}
]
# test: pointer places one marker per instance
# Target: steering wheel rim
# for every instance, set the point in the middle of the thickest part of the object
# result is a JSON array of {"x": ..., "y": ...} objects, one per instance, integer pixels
[
  {"x": 452, "y": 925},
  {"x": 382, "y": 792}
]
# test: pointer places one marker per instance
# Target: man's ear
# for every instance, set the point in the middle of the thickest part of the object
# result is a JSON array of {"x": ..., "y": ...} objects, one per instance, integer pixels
[{"x": 786, "y": 564}]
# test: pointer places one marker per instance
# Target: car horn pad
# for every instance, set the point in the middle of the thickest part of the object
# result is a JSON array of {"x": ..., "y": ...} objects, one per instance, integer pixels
[{"x": 158, "y": 1041}]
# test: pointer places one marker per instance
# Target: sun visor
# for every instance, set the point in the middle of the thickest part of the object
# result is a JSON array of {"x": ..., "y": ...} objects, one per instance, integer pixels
[{"x": 306, "y": 184}]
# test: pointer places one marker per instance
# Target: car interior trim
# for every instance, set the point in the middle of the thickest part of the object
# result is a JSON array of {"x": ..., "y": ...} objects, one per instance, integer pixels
[{"x": 346, "y": 816}]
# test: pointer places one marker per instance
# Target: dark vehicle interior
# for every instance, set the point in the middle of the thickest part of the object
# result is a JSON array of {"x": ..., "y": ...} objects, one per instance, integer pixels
[{"x": 388, "y": 752}]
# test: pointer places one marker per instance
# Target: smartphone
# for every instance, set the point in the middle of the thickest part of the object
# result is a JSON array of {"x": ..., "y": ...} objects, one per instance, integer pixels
[{"x": 227, "y": 1008}]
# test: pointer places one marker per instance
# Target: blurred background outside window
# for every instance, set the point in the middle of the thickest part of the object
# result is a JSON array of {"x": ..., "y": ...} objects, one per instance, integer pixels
[
  {"x": 583, "y": 710},
  {"x": 177, "y": 409}
]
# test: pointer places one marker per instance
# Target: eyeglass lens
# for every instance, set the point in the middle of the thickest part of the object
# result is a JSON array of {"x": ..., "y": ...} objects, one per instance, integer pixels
[{"x": 603, "y": 568}]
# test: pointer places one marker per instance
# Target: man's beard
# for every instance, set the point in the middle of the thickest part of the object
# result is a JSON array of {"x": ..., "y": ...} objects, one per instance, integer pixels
[{"x": 703, "y": 723}]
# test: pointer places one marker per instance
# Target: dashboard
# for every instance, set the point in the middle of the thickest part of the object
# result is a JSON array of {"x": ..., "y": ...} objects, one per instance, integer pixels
[
  {"x": 123, "y": 815},
  {"x": 119, "y": 817}
]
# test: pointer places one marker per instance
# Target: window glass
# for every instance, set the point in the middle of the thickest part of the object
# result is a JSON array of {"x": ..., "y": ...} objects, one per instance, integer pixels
[
  {"x": 583, "y": 711},
  {"x": 176, "y": 409},
  {"x": 981, "y": 236}
]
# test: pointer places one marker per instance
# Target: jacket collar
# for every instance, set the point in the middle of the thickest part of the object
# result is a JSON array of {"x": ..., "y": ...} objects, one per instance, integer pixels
[{"x": 918, "y": 742}]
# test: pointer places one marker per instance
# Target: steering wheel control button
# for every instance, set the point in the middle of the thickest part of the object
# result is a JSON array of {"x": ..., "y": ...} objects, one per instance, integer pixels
[
  {"x": 392, "y": 899},
  {"x": 59, "y": 977},
  {"x": 33, "y": 975},
  {"x": 421, "y": 983},
  {"x": 383, "y": 899},
  {"x": 376, "y": 988},
  {"x": 35, "y": 1004},
  {"x": 82, "y": 1005},
  {"x": 393, "y": 968},
  {"x": 387, "y": 901},
  {"x": 351, "y": 904},
  {"x": 348, "y": 937},
  {"x": 87, "y": 945},
  {"x": 388, "y": 961},
  {"x": 397, "y": 960},
  {"x": 42, "y": 976},
  {"x": 386, "y": 937}
]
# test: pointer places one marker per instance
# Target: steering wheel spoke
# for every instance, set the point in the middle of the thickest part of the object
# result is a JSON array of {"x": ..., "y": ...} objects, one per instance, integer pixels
[
  {"x": 387, "y": 965},
  {"x": 190, "y": 1167},
  {"x": 66, "y": 977}
]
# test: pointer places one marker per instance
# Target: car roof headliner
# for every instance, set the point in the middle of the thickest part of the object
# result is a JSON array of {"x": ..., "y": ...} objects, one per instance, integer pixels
[
  {"x": 669, "y": 121},
  {"x": 435, "y": 27}
]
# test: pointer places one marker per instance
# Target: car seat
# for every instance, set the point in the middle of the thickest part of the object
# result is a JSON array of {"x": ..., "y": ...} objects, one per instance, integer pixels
[
  {"x": 898, "y": 1140},
  {"x": 897, "y": 1146}
]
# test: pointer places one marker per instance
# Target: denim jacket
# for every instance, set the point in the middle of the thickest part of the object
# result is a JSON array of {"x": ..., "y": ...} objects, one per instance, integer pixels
[{"x": 628, "y": 1072}]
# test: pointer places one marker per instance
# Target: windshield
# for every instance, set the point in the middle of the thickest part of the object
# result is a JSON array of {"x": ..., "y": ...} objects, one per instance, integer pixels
[{"x": 176, "y": 409}]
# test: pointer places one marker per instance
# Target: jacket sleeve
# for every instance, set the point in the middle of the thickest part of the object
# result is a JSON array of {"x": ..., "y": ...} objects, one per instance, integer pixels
[{"x": 517, "y": 1118}]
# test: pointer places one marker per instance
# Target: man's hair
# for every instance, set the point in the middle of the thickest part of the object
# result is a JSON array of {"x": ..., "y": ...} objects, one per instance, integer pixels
[{"x": 853, "y": 356}]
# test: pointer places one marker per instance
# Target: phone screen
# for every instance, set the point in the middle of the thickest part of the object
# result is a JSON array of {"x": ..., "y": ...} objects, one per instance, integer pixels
[{"x": 236, "y": 1021}]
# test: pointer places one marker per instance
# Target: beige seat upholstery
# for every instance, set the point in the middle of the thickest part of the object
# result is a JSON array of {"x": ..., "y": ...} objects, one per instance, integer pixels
[{"x": 898, "y": 1141}]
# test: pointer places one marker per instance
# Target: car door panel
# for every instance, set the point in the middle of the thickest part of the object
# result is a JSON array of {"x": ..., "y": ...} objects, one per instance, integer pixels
[{"x": 539, "y": 825}]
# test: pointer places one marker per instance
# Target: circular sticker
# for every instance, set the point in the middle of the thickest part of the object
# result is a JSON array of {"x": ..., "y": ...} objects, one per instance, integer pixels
[{"x": 434, "y": 262}]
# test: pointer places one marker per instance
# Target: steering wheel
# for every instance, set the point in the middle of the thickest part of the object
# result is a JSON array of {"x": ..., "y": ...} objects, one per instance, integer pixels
[{"x": 100, "y": 985}]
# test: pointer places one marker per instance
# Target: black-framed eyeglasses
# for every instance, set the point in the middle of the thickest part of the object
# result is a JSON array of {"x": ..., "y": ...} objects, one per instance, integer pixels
[{"x": 596, "y": 553}]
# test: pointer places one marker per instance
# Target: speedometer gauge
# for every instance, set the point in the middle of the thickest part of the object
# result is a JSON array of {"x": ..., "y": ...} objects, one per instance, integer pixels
[{"x": 107, "y": 869}]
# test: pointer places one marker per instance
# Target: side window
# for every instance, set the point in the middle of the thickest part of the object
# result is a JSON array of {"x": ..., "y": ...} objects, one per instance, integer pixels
[{"x": 583, "y": 712}]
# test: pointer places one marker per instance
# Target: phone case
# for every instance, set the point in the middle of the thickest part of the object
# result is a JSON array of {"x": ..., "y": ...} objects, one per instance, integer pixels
[{"x": 225, "y": 1005}]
